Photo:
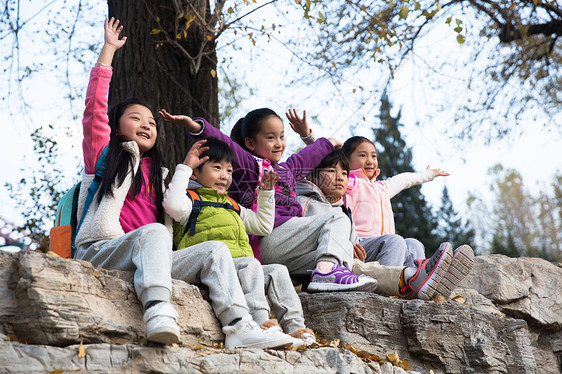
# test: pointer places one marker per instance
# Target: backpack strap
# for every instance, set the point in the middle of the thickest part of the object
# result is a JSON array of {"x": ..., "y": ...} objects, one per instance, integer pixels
[
  {"x": 198, "y": 204},
  {"x": 92, "y": 189}
]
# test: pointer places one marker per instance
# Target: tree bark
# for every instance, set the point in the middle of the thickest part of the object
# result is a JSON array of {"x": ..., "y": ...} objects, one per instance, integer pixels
[{"x": 157, "y": 72}]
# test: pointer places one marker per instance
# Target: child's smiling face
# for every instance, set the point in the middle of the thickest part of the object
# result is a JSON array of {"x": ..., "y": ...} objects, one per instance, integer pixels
[
  {"x": 214, "y": 174},
  {"x": 269, "y": 142},
  {"x": 332, "y": 181},
  {"x": 137, "y": 123},
  {"x": 364, "y": 157}
]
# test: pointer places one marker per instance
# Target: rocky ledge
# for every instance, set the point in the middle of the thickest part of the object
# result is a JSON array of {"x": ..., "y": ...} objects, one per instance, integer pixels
[{"x": 61, "y": 316}]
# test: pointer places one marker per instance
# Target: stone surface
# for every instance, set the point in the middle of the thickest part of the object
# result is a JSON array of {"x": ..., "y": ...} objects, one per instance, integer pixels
[
  {"x": 63, "y": 302},
  {"x": 50, "y": 305}
]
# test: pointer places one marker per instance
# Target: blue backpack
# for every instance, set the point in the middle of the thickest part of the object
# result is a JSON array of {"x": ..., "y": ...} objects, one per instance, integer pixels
[{"x": 63, "y": 234}]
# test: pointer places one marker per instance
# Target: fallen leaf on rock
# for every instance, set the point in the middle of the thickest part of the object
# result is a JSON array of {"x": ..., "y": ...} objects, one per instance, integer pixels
[
  {"x": 459, "y": 299},
  {"x": 81, "y": 350},
  {"x": 335, "y": 343}
]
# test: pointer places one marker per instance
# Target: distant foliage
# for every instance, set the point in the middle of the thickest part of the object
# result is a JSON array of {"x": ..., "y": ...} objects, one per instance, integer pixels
[
  {"x": 451, "y": 225},
  {"x": 521, "y": 223},
  {"x": 37, "y": 194}
]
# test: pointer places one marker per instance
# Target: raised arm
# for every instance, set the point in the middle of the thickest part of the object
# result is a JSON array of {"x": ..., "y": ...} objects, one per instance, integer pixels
[
  {"x": 403, "y": 181},
  {"x": 112, "y": 42},
  {"x": 95, "y": 121}
]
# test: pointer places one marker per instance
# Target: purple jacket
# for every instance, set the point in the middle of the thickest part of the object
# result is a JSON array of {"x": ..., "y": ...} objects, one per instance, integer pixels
[{"x": 245, "y": 174}]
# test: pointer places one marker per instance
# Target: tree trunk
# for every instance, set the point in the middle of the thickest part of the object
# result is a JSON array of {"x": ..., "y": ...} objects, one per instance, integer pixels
[{"x": 157, "y": 72}]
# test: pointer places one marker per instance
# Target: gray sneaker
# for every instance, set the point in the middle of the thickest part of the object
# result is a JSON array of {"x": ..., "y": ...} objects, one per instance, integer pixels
[
  {"x": 461, "y": 264},
  {"x": 431, "y": 271}
]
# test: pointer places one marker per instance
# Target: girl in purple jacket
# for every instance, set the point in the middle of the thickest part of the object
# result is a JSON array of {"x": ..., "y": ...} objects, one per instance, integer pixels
[{"x": 300, "y": 243}]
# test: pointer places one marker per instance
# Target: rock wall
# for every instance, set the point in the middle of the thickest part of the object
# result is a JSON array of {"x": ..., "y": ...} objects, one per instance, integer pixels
[{"x": 61, "y": 315}]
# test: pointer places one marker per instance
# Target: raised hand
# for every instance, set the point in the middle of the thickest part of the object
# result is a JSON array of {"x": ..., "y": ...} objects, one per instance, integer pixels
[
  {"x": 112, "y": 32},
  {"x": 192, "y": 158},
  {"x": 180, "y": 119},
  {"x": 359, "y": 252},
  {"x": 336, "y": 143},
  {"x": 112, "y": 43},
  {"x": 298, "y": 124},
  {"x": 268, "y": 180},
  {"x": 439, "y": 172}
]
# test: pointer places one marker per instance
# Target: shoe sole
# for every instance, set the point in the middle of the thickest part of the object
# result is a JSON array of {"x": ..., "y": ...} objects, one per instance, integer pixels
[
  {"x": 267, "y": 345},
  {"x": 461, "y": 265},
  {"x": 429, "y": 288},
  {"x": 167, "y": 335},
  {"x": 367, "y": 286}
]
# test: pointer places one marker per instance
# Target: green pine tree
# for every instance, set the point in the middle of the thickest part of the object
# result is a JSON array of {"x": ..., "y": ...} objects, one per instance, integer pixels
[
  {"x": 452, "y": 228},
  {"x": 412, "y": 214}
]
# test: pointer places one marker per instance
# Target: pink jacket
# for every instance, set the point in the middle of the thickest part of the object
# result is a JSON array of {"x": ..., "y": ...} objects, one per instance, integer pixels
[{"x": 369, "y": 200}]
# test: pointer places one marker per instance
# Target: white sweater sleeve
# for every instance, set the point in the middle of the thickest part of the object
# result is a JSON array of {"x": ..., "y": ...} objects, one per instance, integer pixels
[
  {"x": 176, "y": 202},
  {"x": 402, "y": 181},
  {"x": 260, "y": 222},
  {"x": 309, "y": 139}
]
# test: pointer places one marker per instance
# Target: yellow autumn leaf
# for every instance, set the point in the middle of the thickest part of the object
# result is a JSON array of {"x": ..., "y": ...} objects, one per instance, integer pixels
[
  {"x": 55, "y": 371},
  {"x": 209, "y": 37},
  {"x": 393, "y": 358},
  {"x": 81, "y": 350},
  {"x": 96, "y": 273},
  {"x": 334, "y": 65},
  {"x": 460, "y": 39},
  {"x": 403, "y": 12},
  {"x": 459, "y": 299},
  {"x": 213, "y": 73},
  {"x": 155, "y": 31}
]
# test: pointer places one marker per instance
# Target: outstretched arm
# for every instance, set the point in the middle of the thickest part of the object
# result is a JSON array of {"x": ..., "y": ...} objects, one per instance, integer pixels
[
  {"x": 181, "y": 120},
  {"x": 112, "y": 42}
]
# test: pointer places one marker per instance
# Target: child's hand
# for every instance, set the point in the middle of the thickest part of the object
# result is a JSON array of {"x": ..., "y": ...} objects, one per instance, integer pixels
[
  {"x": 336, "y": 143},
  {"x": 299, "y": 125},
  {"x": 112, "y": 41},
  {"x": 112, "y": 31},
  {"x": 439, "y": 172},
  {"x": 268, "y": 180},
  {"x": 359, "y": 252},
  {"x": 182, "y": 120},
  {"x": 192, "y": 158}
]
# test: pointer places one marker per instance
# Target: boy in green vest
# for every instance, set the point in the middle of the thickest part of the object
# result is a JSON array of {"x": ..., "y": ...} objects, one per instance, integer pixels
[{"x": 205, "y": 213}]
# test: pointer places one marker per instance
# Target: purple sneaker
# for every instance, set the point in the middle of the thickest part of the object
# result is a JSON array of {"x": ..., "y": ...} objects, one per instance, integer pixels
[
  {"x": 461, "y": 264},
  {"x": 340, "y": 279}
]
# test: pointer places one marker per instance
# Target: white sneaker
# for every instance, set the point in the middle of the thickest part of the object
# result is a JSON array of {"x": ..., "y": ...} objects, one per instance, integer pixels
[
  {"x": 161, "y": 326},
  {"x": 248, "y": 334},
  {"x": 296, "y": 341}
]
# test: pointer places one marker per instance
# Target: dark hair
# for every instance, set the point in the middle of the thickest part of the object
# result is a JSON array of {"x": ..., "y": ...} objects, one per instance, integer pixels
[
  {"x": 333, "y": 159},
  {"x": 250, "y": 125},
  {"x": 119, "y": 161},
  {"x": 352, "y": 143},
  {"x": 218, "y": 151}
]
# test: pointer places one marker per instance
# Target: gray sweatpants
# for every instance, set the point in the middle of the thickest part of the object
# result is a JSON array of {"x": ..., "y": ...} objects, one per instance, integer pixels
[
  {"x": 262, "y": 282},
  {"x": 301, "y": 242},
  {"x": 392, "y": 250},
  {"x": 148, "y": 252}
]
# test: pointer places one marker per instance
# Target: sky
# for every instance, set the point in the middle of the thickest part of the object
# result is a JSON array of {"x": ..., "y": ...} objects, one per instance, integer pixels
[{"x": 535, "y": 154}]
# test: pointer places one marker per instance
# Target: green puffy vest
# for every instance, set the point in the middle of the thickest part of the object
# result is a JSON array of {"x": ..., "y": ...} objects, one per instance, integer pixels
[{"x": 214, "y": 223}]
